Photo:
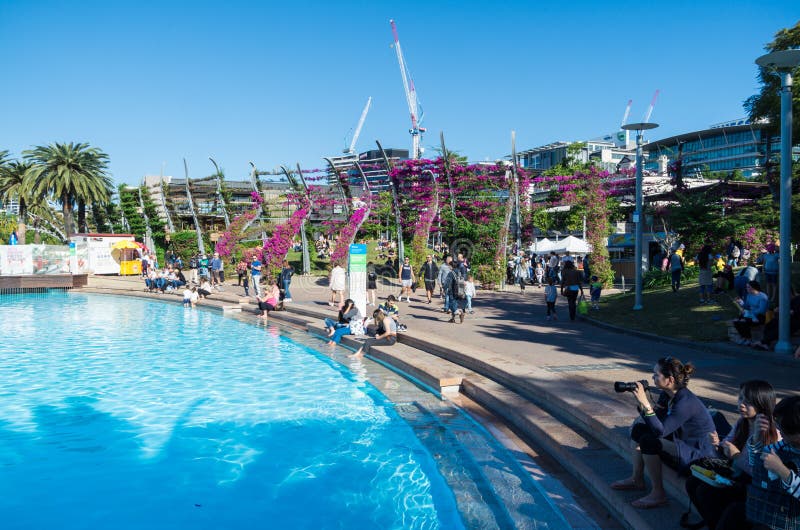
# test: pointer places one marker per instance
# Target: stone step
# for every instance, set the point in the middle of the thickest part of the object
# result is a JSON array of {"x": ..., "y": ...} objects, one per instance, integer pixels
[
  {"x": 438, "y": 374},
  {"x": 593, "y": 463}
]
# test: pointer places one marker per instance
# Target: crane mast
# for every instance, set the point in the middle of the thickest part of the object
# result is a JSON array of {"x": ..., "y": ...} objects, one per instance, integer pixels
[{"x": 411, "y": 97}]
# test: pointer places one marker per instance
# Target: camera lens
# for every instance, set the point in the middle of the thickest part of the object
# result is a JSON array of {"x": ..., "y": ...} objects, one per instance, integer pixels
[{"x": 620, "y": 387}]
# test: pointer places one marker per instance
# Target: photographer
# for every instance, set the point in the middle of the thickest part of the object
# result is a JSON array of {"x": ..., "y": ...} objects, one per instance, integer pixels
[{"x": 679, "y": 426}]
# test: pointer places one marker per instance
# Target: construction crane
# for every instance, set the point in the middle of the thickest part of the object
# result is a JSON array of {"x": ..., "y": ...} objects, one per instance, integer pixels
[
  {"x": 414, "y": 107},
  {"x": 650, "y": 108},
  {"x": 627, "y": 112},
  {"x": 352, "y": 149}
]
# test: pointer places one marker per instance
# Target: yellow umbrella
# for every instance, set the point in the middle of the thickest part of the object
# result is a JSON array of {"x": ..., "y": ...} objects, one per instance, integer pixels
[{"x": 121, "y": 245}]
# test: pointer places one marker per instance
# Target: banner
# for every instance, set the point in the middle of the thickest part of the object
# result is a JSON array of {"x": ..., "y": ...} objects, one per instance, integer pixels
[
  {"x": 358, "y": 276},
  {"x": 16, "y": 260}
]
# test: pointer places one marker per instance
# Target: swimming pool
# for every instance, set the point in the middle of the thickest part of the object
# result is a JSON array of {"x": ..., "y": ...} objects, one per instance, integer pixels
[{"x": 126, "y": 413}]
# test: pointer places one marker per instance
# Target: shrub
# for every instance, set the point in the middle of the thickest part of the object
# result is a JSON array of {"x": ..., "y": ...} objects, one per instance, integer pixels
[{"x": 656, "y": 278}]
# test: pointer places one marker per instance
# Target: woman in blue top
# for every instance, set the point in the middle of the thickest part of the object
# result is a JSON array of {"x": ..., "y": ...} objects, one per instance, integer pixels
[
  {"x": 679, "y": 425},
  {"x": 754, "y": 307}
]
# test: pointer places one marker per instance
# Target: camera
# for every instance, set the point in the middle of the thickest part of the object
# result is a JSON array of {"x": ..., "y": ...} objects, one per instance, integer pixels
[{"x": 620, "y": 386}]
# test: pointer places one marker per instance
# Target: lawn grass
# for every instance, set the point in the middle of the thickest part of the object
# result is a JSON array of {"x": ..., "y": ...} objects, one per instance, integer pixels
[
  {"x": 677, "y": 315},
  {"x": 321, "y": 266}
]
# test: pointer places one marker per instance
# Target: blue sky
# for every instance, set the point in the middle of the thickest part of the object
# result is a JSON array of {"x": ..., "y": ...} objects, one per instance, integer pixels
[{"x": 283, "y": 82}]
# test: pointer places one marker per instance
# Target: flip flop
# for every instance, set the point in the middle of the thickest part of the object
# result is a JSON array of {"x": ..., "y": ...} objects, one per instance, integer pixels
[
  {"x": 626, "y": 485},
  {"x": 647, "y": 505}
]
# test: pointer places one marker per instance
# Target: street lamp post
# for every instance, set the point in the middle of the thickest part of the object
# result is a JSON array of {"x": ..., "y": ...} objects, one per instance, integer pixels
[
  {"x": 784, "y": 61},
  {"x": 638, "y": 214}
]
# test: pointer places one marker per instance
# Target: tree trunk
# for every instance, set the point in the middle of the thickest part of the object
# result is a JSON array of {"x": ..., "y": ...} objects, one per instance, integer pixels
[
  {"x": 23, "y": 216},
  {"x": 66, "y": 210},
  {"x": 82, "y": 217}
]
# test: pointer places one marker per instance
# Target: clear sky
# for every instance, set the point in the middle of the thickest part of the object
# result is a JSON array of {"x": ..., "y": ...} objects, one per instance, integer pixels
[{"x": 152, "y": 82}]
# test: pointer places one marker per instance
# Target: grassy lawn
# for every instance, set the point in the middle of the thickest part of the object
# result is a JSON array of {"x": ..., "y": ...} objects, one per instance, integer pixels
[
  {"x": 320, "y": 266},
  {"x": 677, "y": 315}
]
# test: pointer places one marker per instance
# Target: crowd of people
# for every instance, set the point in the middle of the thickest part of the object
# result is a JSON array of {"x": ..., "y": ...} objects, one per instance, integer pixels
[{"x": 750, "y": 282}]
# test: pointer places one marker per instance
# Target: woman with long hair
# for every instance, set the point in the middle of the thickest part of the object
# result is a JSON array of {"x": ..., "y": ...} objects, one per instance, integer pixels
[
  {"x": 571, "y": 279},
  {"x": 385, "y": 335},
  {"x": 756, "y": 399},
  {"x": 678, "y": 425},
  {"x": 347, "y": 315}
]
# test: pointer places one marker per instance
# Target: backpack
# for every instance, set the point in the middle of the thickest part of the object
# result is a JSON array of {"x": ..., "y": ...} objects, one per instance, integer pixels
[{"x": 460, "y": 286}]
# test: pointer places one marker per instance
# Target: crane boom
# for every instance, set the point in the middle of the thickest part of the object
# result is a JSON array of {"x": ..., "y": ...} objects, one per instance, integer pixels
[
  {"x": 411, "y": 95},
  {"x": 357, "y": 133},
  {"x": 627, "y": 112},
  {"x": 650, "y": 108}
]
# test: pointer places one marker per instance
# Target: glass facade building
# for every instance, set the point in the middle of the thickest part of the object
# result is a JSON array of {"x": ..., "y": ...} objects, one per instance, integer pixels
[{"x": 725, "y": 148}]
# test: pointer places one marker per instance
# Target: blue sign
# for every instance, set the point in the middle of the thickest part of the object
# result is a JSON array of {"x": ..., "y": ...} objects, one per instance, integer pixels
[{"x": 358, "y": 249}]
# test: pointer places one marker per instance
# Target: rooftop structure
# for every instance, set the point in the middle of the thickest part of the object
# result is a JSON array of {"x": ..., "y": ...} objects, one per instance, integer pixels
[{"x": 736, "y": 145}]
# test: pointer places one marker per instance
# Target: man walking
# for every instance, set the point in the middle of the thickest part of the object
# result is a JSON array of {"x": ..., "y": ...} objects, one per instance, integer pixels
[
  {"x": 216, "y": 270},
  {"x": 444, "y": 270},
  {"x": 255, "y": 272},
  {"x": 406, "y": 276},
  {"x": 429, "y": 273}
]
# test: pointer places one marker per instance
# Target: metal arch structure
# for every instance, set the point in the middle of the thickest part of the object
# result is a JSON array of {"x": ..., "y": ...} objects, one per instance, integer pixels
[
  {"x": 200, "y": 245},
  {"x": 148, "y": 236},
  {"x": 515, "y": 176},
  {"x": 254, "y": 182},
  {"x": 400, "y": 245},
  {"x": 164, "y": 205},
  {"x": 340, "y": 188},
  {"x": 303, "y": 237},
  {"x": 446, "y": 164},
  {"x": 220, "y": 198}
]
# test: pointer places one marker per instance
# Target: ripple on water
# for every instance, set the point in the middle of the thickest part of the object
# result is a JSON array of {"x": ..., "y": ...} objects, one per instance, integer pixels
[{"x": 140, "y": 414}]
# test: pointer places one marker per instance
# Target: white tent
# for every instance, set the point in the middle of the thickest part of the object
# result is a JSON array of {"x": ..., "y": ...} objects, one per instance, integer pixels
[
  {"x": 543, "y": 245},
  {"x": 571, "y": 244}
]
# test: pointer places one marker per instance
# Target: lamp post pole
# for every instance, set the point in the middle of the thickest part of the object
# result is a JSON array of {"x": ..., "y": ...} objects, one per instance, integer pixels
[
  {"x": 784, "y": 61},
  {"x": 638, "y": 214}
]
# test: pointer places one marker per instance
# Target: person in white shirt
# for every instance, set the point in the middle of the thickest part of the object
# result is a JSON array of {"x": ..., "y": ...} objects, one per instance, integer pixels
[{"x": 187, "y": 297}]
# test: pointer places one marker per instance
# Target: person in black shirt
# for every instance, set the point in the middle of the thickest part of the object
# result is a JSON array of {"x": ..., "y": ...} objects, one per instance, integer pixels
[{"x": 429, "y": 273}]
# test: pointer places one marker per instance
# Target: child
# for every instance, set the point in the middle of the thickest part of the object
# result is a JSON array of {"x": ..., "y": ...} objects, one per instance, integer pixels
[
  {"x": 187, "y": 297},
  {"x": 550, "y": 294},
  {"x": 595, "y": 289},
  {"x": 195, "y": 297},
  {"x": 469, "y": 293},
  {"x": 773, "y": 496},
  {"x": 539, "y": 273}
]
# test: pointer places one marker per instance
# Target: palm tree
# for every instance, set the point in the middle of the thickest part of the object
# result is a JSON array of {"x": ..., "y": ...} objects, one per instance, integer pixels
[
  {"x": 72, "y": 173},
  {"x": 13, "y": 177}
]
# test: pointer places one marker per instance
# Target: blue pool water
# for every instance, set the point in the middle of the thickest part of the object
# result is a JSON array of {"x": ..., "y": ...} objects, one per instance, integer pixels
[{"x": 123, "y": 413}]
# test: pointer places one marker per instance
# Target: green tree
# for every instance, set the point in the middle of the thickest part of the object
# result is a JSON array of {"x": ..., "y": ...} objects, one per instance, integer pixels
[
  {"x": 13, "y": 178},
  {"x": 767, "y": 103},
  {"x": 73, "y": 173}
]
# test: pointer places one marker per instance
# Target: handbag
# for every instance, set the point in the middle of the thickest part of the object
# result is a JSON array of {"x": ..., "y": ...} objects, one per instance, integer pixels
[
  {"x": 357, "y": 327},
  {"x": 583, "y": 306}
]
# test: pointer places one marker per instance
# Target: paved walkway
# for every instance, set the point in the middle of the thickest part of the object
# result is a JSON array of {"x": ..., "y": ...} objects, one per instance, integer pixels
[{"x": 512, "y": 327}]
